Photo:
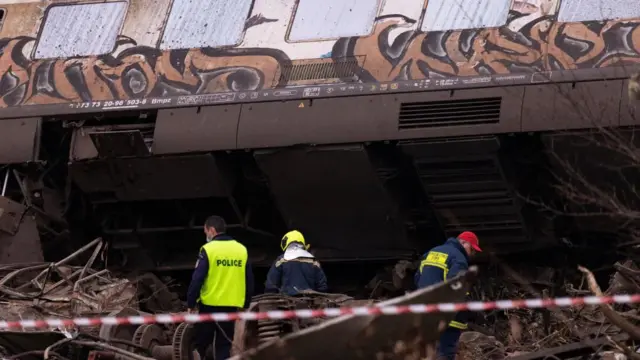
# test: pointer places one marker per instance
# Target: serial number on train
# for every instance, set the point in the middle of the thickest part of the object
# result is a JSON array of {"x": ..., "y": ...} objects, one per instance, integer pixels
[{"x": 109, "y": 103}]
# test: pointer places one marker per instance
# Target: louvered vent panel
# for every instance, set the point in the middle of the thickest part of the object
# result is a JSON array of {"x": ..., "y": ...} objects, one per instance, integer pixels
[
  {"x": 420, "y": 115},
  {"x": 337, "y": 69}
]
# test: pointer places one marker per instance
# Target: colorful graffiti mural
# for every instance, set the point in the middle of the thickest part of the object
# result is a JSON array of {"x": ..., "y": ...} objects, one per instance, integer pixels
[
  {"x": 397, "y": 49},
  {"x": 137, "y": 72},
  {"x": 537, "y": 46}
]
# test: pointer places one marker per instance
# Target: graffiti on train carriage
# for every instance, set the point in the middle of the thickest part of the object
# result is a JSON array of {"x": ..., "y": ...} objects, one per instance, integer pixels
[
  {"x": 136, "y": 72},
  {"x": 537, "y": 46},
  {"x": 532, "y": 40}
]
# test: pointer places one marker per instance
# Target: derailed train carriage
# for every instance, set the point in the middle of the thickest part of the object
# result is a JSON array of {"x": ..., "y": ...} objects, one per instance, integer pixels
[{"x": 376, "y": 128}]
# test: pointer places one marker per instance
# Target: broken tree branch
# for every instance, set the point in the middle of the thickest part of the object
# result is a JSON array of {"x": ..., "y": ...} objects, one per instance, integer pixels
[
  {"x": 615, "y": 318},
  {"x": 620, "y": 346}
]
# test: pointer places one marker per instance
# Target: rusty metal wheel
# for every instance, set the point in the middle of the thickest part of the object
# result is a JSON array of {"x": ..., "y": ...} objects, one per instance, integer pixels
[
  {"x": 184, "y": 342},
  {"x": 148, "y": 336},
  {"x": 119, "y": 331}
]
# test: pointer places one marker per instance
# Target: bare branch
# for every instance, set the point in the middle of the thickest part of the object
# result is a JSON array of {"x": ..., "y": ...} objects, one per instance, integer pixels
[{"x": 615, "y": 318}]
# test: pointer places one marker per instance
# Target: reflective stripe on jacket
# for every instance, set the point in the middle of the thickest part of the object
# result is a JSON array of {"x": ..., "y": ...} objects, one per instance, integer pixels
[
  {"x": 440, "y": 264},
  {"x": 225, "y": 284},
  {"x": 293, "y": 276}
]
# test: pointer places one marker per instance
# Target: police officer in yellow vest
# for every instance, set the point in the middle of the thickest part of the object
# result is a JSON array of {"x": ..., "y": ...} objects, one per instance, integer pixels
[{"x": 221, "y": 282}]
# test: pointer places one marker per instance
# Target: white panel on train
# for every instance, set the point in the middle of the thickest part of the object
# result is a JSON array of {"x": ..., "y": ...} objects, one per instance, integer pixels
[
  {"x": 80, "y": 30},
  {"x": 205, "y": 23},
  {"x": 409, "y": 8},
  {"x": 598, "y": 10},
  {"x": 443, "y": 15},
  {"x": 332, "y": 19}
]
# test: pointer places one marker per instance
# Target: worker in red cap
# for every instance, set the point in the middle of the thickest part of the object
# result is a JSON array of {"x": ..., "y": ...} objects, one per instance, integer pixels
[{"x": 440, "y": 264}]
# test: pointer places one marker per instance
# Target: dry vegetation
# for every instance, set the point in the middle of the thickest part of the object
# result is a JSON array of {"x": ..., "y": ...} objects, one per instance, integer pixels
[{"x": 598, "y": 184}]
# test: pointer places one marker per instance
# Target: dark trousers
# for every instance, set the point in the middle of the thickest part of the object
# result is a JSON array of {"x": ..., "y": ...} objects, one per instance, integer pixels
[
  {"x": 221, "y": 331},
  {"x": 448, "y": 346}
]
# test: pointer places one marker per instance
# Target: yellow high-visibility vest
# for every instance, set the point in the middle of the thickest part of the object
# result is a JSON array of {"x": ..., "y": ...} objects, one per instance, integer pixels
[{"x": 225, "y": 284}]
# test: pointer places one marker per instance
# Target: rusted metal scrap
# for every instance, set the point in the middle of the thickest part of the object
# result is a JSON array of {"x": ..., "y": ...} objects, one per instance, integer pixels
[
  {"x": 19, "y": 237},
  {"x": 61, "y": 290},
  {"x": 39, "y": 290},
  {"x": 365, "y": 337},
  {"x": 15, "y": 342},
  {"x": 392, "y": 280},
  {"x": 250, "y": 334}
]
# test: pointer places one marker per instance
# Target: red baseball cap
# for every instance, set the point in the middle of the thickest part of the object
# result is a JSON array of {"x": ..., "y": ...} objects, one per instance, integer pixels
[{"x": 472, "y": 239}]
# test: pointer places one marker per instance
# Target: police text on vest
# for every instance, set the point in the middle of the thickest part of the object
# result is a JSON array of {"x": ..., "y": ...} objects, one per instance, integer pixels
[{"x": 229, "y": 262}]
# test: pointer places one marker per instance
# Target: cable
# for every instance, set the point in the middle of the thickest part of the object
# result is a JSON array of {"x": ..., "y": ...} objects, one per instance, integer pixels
[
  {"x": 56, "y": 344},
  {"x": 35, "y": 353},
  {"x": 116, "y": 341}
]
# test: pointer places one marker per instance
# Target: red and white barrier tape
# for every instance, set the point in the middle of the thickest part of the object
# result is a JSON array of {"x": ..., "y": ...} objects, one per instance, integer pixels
[{"x": 330, "y": 312}]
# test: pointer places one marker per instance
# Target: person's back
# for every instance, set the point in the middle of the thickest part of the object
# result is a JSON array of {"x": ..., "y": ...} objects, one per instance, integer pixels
[
  {"x": 227, "y": 261},
  {"x": 222, "y": 282},
  {"x": 296, "y": 270},
  {"x": 441, "y": 263}
]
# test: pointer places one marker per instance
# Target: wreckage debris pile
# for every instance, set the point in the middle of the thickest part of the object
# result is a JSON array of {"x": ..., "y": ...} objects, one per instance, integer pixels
[
  {"x": 39, "y": 291},
  {"x": 62, "y": 290},
  {"x": 509, "y": 334},
  {"x": 251, "y": 334},
  {"x": 44, "y": 291},
  {"x": 67, "y": 290},
  {"x": 35, "y": 291}
]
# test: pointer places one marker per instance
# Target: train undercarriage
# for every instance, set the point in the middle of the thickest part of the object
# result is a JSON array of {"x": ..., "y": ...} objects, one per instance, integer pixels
[
  {"x": 367, "y": 179},
  {"x": 379, "y": 201}
]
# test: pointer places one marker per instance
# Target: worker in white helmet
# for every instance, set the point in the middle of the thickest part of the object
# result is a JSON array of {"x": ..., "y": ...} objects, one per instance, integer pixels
[{"x": 295, "y": 270}]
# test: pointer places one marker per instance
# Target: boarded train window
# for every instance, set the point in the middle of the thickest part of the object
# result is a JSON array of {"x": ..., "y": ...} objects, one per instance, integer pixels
[
  {"x": 80, "y": 30},
  {"x": 594, "y": 10},
  {"x": 205, "y": 23},
  {"x": 331, "y": 19},
  {"x": 443, "y": 15}
]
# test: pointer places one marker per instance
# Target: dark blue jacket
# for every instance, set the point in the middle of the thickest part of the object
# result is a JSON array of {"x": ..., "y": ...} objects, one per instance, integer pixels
[
  {"x": 442, "y": 263},
  {"x": 201, "y": 271},
  {"x": 292, "y": 276}
]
